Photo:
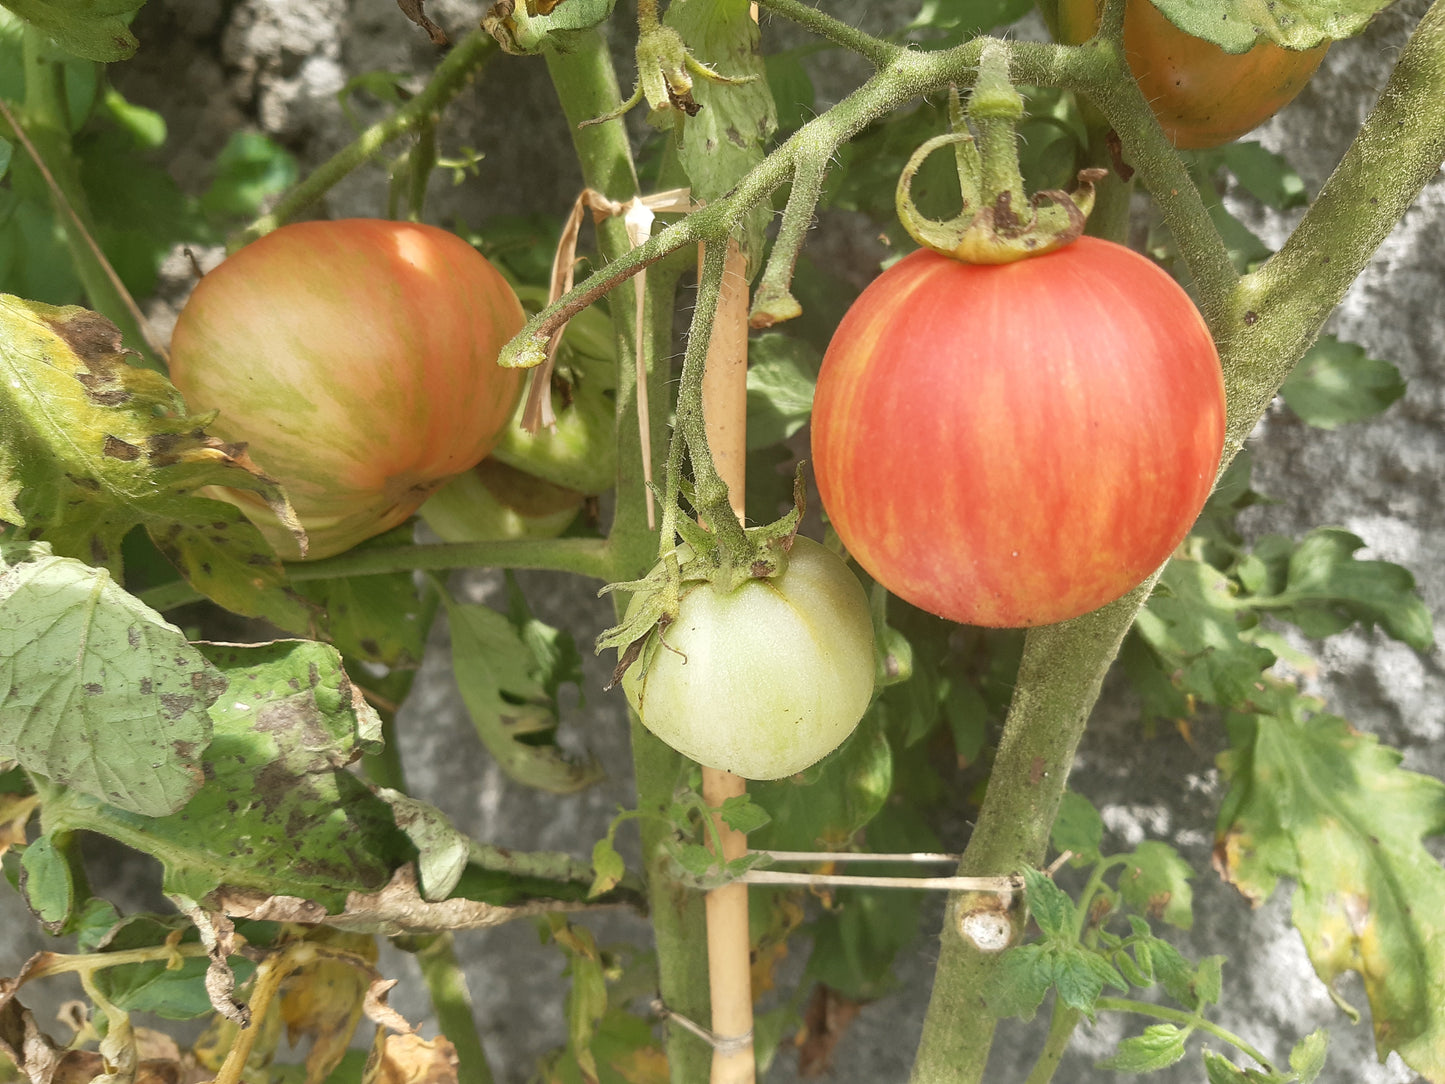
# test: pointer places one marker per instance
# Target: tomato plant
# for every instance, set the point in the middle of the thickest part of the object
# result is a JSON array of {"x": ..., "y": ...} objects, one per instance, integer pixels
[
  {"x": 357, "y": 360},
  {"x": 1202, "y": 95},
  {"x": 1015, "y": 445},
  {"x": 764, "y": 680}
]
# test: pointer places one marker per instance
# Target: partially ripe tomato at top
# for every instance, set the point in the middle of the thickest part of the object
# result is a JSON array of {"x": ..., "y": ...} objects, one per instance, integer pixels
[
  {"x": 1201, "y": 95},
  {"x": 1017, "y": 444},
  {"x": 357, "y": 359}
]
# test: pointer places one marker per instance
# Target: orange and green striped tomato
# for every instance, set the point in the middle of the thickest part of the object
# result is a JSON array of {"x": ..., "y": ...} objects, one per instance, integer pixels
[
  {"x": 1203, "y": 96},
  {"x": 357, "y": 359},
  {"x": 1014, "y": 445}
]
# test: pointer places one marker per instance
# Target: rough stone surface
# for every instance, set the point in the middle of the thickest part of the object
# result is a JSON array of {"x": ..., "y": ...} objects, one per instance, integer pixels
[{"x": 278, "y": 65}]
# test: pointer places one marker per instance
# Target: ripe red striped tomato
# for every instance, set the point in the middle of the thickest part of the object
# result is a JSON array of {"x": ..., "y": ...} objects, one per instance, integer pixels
[
  {"x": 1018, "y": 444},
  {"x": 357, "y": 359}
]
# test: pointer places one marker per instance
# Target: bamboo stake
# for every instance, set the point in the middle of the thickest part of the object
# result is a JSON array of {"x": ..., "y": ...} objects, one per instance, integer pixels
[{"x": 725, "y": 416}]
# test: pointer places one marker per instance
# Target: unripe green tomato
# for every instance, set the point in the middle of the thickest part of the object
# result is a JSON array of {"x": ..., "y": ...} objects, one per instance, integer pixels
[
  {"x": 766, "y": 680},
  {"x": 493, "y": 502},
  {"x": 581, "y": 453},
  {"x": 357, "y": 360}
]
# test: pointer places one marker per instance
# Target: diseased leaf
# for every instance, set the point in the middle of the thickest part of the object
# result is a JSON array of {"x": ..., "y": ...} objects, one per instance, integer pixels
[
  {"x": 97, "y": 692},
  {"x": 1325, "y": 589},
  {"x": 607, "y": 865},
  {"x": 1156, "y": 882},
  {"x": 1314, "y": 800},
  {"x": 1160, "y": 1046},
  {"x": 323, "y": 1000},
  {"x": 1337, "y": 382},
  {"x": 46, "y": 882},
  {"x": 279, "y": 813},
  {"x": 93, "y": 29},
  {"x": 1237, "y": 25},
  {"x": 99, "y": 446}
]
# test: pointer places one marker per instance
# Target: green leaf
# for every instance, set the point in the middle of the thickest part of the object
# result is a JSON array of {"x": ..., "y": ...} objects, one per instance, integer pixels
[
  {"x": 99, "y": 446},
  {"x": 791, "y": 87},
  {"x": 1018, "y": 984},
  {"x": 781, "y": 375},
  {"x": 1081, "y": 975},
  {"x": 1192, "y": 623},
  {"x": 97, "y": 692},
  {"x": 1265, "y": 175},
  {"x": 607, "y": 865},
  {"x": 1078, "y": 828},
  {"x": 442, "y": 851},
  {"x": 1220, "y": 1070},
  {"x": 726, "y": 137},
  {"x": 249, "y": 170},
  {"x": 1315, "y": 800},
  {"x": 1209, "y": 980},
  {"x": 382, "y": 619},
  {"x": 46, "y": 882},
  {"x": 7, "y": 151},
  {"x": 963, "y": 19},
  {"x": 855, "y": 944},
  {"x": 1307, "y": 1059},
  {"x": 1327, "y": 590},
  {"x": 1160, "y": 1046},
  {"x": 742, "y": 814},
  {"x": 1237, "y": 25},
  {"x": 1050, "y": 905},
  {"x": 93, "y": 29},
  {"x": 823, "y": 807},
  {"x": 504, "y": 669},
  {"x": 174, "y": 992},
  {"x": 279, "y": 811},
  {"x": 1336, "y": 383},
  {"x": 1155, "y": 881}
]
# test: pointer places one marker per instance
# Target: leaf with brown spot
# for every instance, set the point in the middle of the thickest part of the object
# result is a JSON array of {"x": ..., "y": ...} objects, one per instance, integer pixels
[
  {"x": 97, "y": 691},
  {"x": 92, "y": 446},
  {"x": 1314, "y": 800}
]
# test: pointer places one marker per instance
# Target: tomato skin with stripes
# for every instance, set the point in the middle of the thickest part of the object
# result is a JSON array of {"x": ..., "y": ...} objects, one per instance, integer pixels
[
  {"x": 357, "y": 360},
  {"x": 1019, "y": 444},
  {"x": 1203, "y": 96}
]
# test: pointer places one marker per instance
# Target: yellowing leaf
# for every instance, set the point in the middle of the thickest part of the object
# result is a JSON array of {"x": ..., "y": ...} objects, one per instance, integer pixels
[
  {"x": 323, "y": 1001},
  {"x": 1315, "y": 800},
  {"x": 410, "y": 1059}
]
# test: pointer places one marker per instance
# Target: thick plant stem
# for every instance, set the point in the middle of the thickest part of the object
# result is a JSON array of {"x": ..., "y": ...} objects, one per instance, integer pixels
[
  {"x": 450, "y": 79},
  {"x": 1280, "y": 307},
  {"x": 587, "y": 87},
  {"x": 1062, "y": 669},
  {"x": 436, "y": 956}
]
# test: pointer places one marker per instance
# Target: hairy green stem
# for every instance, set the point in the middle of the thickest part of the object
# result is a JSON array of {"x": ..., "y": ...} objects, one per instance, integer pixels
[
  {"x": 1097, "y": 69},
  {"x": 586, "y": 85},
  {"x": 1062, "y": 1023},
  {"x": 773, "y": 301},
  {"x": 1186, "y": 1020},
  {"x": 1059, "y": 677},
  {"x": 451, "y": 77},
  {"x": 839, "y": 33},
  {"x": 1280, "y": 308},
  {"x": 583, "y": 556},
  {"x": 452, "y": 1001}
]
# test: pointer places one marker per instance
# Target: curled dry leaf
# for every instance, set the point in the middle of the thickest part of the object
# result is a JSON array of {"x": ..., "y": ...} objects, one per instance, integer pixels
[
  {"x": 412, "y": 9},
  {"x": 410, "y": 1059}
]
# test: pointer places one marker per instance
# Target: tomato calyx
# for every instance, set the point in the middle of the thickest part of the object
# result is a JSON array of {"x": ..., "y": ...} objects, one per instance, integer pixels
[
  {"x": 702, "y": 557},
  {"x": 999, "y": 222}
]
